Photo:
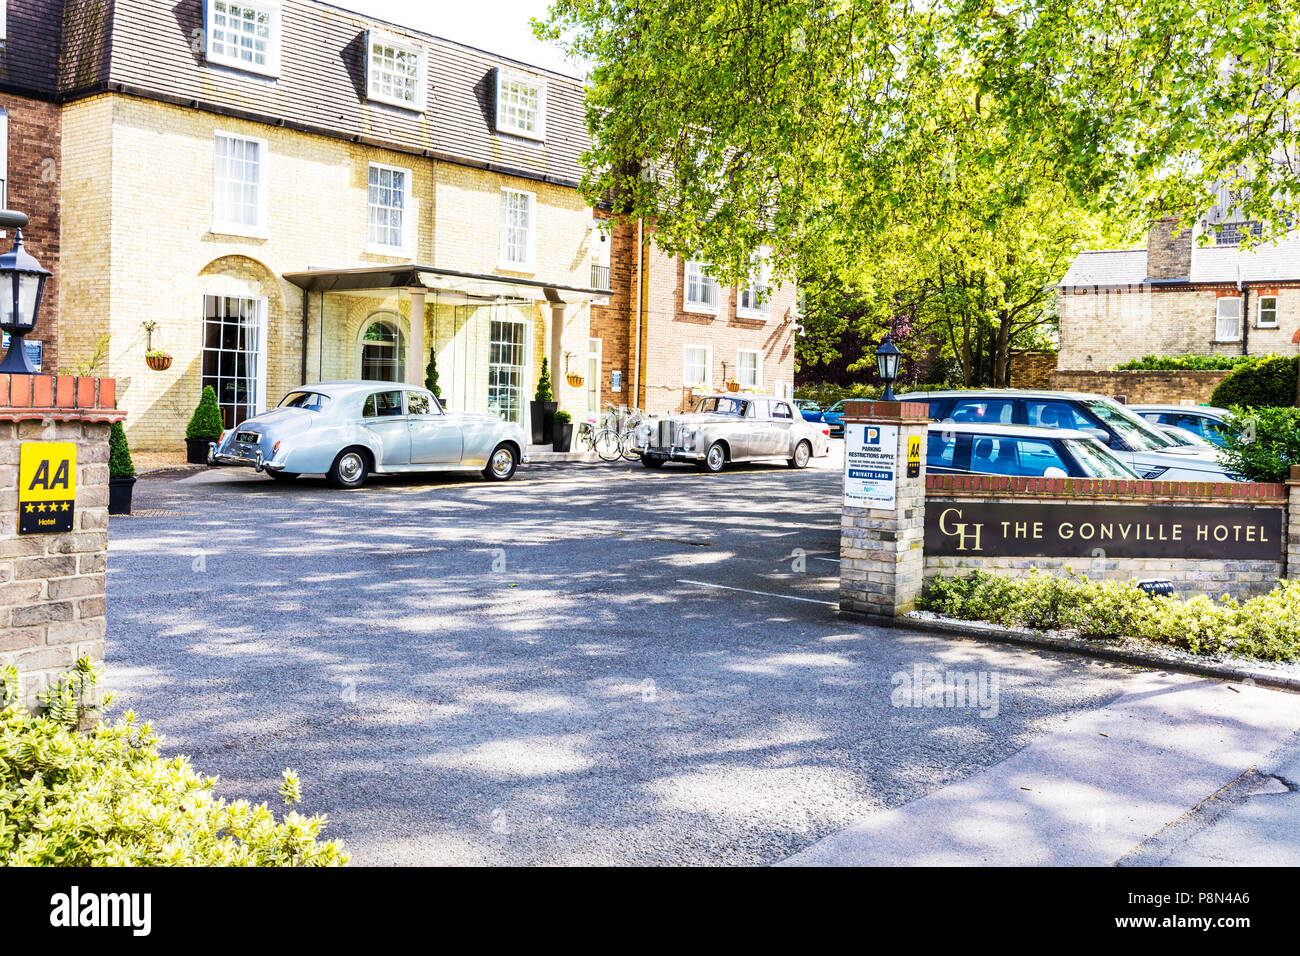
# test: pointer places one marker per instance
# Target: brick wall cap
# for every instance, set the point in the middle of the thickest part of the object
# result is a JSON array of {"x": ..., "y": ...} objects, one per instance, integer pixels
[
  {"x": 980, "y": 485},
  {"x": 889, "y": 413},
  {"x": 40, "y": 397}
]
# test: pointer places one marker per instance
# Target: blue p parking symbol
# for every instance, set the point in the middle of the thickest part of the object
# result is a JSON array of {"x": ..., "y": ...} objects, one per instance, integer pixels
[{"x": 871, "y": 435}]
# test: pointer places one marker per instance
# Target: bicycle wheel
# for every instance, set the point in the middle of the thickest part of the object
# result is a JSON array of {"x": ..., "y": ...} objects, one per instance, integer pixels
[
  {"x": 626, "y": 441},
  {"x": 607, "y": 445}
]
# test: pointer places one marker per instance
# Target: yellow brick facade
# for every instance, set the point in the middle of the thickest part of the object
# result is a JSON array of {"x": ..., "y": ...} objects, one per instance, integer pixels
[{"x": 137, "y": 191}]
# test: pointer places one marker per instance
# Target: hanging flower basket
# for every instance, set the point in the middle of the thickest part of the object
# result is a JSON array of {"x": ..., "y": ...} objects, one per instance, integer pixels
[
  {"x": 733, "y": 386},
  {"x": 574, "y": 380},
  {"x": 157, "y": 360}
]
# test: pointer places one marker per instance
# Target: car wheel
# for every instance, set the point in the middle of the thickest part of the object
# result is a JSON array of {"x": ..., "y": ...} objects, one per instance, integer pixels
[
  {"x": 715, "y": 459},
  {"x": 802, "y": 452},
  {"x": 652, "y": 462},
  {"x": 283, "y": 475},
  {"x": 501, "y": 463},
  {"x": 349, "y": 469}
]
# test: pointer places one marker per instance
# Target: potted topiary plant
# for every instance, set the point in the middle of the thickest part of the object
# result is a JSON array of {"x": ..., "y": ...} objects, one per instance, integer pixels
[
  {"x": 563, "y": 439},
  {"x": 205, "y": 426},
  {"x": 542, "y": 409},
  {"x": 121, "y": 472},
  {"x": 431, "y": 376}
]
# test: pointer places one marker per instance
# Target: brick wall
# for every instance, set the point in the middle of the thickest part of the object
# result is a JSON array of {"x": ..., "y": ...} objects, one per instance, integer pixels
[
  {"x": 1032, "y": 369},
  {"x": 52, "y": 594},
  {"x": 1169, "y": 252},
  {"x": 1105, "y": 326},
  {"x": 33, "y": 188},
  {"x": 1143, "y": 387},
  {"x": 1190, "y": 576}
]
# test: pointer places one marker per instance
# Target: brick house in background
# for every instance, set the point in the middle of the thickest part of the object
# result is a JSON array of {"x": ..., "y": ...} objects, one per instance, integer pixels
[
  {"x": 671, "y": 333},
  {"x": 1179, "y": 297},
  {"x": 30, "y": 145}
]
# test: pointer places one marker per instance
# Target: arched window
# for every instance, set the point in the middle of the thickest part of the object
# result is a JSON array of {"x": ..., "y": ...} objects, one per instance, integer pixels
[{"x": 383, "y": 352}]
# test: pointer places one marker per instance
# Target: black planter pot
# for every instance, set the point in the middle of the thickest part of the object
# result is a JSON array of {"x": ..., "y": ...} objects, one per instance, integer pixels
[
  {"x": 196, "y": 450},
  {"x": 563, "y": 440},
  {"x": 543, "y": 416},
  {"x": 119, "y": 495}
]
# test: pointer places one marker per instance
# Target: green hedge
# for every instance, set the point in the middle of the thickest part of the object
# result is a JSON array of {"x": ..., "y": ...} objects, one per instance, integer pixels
[
  {"x": 1268, "y": 382},
  {"x": 1261, "y": 444},
  {"x": 1174, "y": 363},
  {"x": 108, "y": 798},
  {"x": 1265, "y": 627},
  {"x": 827, "y": 394}
]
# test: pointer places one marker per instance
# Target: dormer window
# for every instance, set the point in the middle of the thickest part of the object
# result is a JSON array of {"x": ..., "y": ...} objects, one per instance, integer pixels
[
  {"x": 521, "y": 105},
  {"x": 244, "y": 35},
  {"x": 394, "y": 71}
]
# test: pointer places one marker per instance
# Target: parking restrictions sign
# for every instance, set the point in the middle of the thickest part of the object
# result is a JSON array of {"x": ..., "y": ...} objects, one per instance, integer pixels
[
  {"x": 47, "y": 487},
  {"x": 870, "y": 465}
]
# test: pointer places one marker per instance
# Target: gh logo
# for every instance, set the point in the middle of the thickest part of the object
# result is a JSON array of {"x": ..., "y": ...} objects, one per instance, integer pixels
[{"x": 966, "y": 540}]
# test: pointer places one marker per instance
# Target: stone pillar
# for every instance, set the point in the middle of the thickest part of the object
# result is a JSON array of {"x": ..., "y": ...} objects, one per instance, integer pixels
[
  {"x": 557, "y": 346},
  {"x": 881, "y": 548},
  {"x": 52, "y": 599},
  {"x": 416, "y": 356},
  {"x": 1292, "y": 556}
]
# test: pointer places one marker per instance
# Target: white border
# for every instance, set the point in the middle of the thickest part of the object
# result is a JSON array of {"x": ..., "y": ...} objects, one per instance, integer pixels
[
  {"x": 687, "y": 304},
  {"x": 407, "y": 249},
  {"x": 708, "y": 366},
  {"x": 508, "y": 265},
  {"x": 540, "y": 84}
]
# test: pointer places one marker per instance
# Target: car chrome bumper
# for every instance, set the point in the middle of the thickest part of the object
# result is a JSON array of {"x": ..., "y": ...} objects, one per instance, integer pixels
[
  {"x": 669, "y": 454},
  {"x": 257, "y": 463}
]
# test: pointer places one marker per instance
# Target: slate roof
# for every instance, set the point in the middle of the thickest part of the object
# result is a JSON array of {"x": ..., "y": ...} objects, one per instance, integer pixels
[{"x": 1278, "y": 261}]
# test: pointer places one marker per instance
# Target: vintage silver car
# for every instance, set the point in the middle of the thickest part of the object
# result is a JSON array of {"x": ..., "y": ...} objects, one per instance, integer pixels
[
  {"x": 349, "y": 430},
  {"x": 731, "y": 428}
]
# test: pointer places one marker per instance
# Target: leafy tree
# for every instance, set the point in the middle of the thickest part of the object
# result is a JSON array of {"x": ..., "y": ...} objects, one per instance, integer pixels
[
  {"x": 431, "y": 375},
  {"x": 544, "y": 393},
  {"x": 119, "y": 453},
  {"x": 206, "y": 421}
]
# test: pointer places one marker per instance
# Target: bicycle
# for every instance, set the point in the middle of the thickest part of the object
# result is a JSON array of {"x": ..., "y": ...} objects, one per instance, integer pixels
[{"x": 613, "y": 440}]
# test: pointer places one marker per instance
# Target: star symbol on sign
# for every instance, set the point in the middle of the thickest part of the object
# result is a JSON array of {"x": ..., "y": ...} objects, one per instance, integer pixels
[
  {"x": 31, "y": 508},
  {"x": 66, "y": 506},
  {"x": 41, "y": 507}
]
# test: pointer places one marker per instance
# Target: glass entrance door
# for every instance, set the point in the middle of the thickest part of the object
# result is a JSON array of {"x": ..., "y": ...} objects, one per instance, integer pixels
[
  {"x": 507, "y": 369},
  {"x": 234, "y": 346}
]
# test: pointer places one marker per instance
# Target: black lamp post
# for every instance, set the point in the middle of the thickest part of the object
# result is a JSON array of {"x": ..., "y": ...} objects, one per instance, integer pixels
[
  {"x": 887, "y": 357},
  {"x": 22, "y": 280}
]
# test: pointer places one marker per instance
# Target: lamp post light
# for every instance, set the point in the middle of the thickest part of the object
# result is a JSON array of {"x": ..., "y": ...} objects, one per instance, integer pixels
[
  {"x": 22, "y": 280},
  {"x": 887, "y": 357}
]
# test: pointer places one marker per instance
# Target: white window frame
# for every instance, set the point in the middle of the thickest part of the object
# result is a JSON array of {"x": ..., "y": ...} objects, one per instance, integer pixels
[
  {"x": 505, "y": 76},
  {"x": 269, "y": 7},
  {"x": 760, "y": 279},
  {"x": 4, "y": 156},
  {"x": 1259, "y": 312},
  {"x": 226, "y": 227},
  {"x": 373, "y": 90},
  {"x": 408, "y": 216},
  {"x": 258, "y": 405},
  {"x": 758, "y": 368},
  {"x": 707, "y": 381},
  {"x": 1220, "y": 318},
  {"x": 511, "y": 265},
  {"x": 694, "y": 269}
]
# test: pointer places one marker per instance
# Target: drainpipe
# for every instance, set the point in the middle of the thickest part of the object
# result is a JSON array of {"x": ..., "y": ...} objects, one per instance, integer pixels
[
  {"x": 1245, "y": 317},
  {"x": 305, "y": 314},
  {"x": 636, "y": 313}
]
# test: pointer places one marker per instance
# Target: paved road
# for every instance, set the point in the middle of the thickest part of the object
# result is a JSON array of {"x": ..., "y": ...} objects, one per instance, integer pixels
[{"x": 591, "y": 664}]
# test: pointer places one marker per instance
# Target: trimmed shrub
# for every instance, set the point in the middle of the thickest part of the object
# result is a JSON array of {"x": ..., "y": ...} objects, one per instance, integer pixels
[
  {"x": 1265, "y": 627},
  {"x": 1177, "y": 363},
  {"x": 1261, "y": 444},
  {"x": 562, "y": 417},
  {"x": 544, "y": 393},
  {"x": 108, "y": 798},
  {"x": 119, "y": 453},
  {"x": 206, "y": 422},
  {"x": 1266, "y": 383},
  {"x": 431, "y": 376}
]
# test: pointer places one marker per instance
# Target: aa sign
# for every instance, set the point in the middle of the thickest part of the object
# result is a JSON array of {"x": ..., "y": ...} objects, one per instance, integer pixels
[{"x": 47, "y": 487}]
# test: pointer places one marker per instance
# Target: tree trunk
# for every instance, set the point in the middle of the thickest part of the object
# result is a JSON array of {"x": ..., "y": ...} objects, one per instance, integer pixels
[{"x": 1002, "y": 352}]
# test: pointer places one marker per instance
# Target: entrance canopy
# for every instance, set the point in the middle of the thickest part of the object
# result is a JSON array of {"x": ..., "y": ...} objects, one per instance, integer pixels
[{"x": 448, "y": 283}]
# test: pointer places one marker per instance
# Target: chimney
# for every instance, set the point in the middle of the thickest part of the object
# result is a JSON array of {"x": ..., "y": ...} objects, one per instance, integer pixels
[{"x": 1169, "y": 256}]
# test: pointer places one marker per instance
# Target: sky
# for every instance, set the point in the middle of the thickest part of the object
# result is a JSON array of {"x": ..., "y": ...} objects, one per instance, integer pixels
[{"x": 498, "y": 26}]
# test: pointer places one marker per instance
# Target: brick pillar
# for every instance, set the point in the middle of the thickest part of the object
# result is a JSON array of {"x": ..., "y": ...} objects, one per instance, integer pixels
[
  {"x": 1293, "y": 524},
  {"x": 881, "y": 557},
  {"x": 52, "y": 585}
]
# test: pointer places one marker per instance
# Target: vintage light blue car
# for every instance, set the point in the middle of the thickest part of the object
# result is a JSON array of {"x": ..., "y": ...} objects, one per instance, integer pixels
[{"x": 349, "y": 430}]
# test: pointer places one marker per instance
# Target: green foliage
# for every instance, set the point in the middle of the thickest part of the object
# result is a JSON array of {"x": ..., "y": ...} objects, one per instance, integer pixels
[
  {"x": 119, "y": 453},
  {"x": 72, "y": 696},
  {"x": 1261, "y": 444},
  {"x": 431, "y": 375},
  {"x": 108, "y": 798},
  {"x": 827, "y": 394},
  {"x": 94, "y": 363},
  {"x": 1267, "y": 383},
  {"x": 563, "y": 418},
  {"x": 1265, "y": 627},
  {"x": 206, "y": 422},
  {"x": 1212, "y": 363},
  {"x": 544, "y": 393}
]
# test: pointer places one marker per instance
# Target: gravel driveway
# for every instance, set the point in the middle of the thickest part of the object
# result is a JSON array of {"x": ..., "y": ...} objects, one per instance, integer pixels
[{"x": 590, "y": 664}]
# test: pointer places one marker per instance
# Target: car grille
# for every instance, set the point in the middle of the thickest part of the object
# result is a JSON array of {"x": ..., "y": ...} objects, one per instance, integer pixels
[{"x": 668, "y": 430}]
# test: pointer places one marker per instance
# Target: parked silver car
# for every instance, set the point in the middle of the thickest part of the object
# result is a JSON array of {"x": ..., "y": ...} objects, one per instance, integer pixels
[
  {"x": 348, "y": 430},
  {"x": 732, "y": 428}
]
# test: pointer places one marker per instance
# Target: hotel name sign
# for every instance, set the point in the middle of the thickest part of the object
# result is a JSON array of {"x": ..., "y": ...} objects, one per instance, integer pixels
[{"x": 1030, "y": 530}]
